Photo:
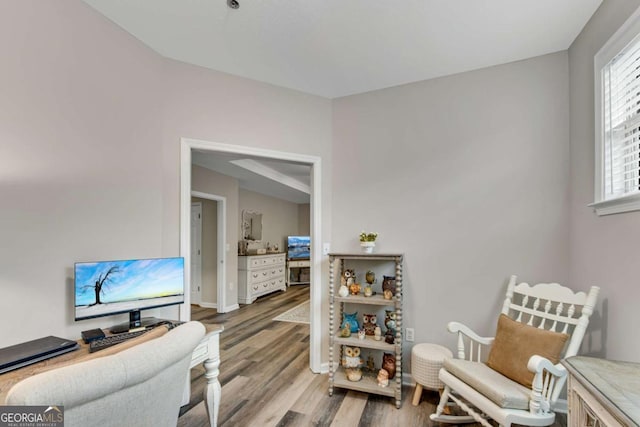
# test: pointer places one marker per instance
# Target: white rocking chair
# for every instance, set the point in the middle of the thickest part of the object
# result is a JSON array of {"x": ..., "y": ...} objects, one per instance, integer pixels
[{"x": 483, "y": 392}]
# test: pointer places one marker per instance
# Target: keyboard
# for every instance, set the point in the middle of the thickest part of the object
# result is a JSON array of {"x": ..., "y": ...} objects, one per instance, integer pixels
[{"x": 111, "y": 340}]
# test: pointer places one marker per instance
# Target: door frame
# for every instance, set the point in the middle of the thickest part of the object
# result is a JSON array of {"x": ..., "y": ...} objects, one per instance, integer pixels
[
  {"x": 221, "y": 245},
  {"x": 189, "y": 144}
]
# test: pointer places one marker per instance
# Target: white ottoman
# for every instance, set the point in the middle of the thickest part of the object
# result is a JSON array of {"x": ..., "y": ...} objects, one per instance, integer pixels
[{"x": 426, "y": 361}]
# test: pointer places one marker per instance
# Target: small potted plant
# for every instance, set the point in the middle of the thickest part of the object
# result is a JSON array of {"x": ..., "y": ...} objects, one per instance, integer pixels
[{"x": 368, "y": 241}]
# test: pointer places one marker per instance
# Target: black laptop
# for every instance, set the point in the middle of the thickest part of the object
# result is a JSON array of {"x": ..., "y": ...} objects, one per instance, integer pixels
[{"x": 19, "y": 355}]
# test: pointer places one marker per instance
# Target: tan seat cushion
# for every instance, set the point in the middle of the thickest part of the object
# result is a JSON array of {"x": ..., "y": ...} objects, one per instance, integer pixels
[
  {"x": 498, "y": 388},
  {"x": 514, "y": 345}
]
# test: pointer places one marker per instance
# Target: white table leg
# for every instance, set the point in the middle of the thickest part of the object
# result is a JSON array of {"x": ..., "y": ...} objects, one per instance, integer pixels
[{"x": 212, "y": 390}]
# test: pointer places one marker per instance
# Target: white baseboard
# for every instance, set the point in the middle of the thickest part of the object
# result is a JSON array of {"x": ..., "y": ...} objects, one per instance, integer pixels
[
  {"x": 407, "y": 379},
  {"x": 232, "y": 307},
  {"x": 208, "y": 305},
  {"x": 324, "y": 368}
]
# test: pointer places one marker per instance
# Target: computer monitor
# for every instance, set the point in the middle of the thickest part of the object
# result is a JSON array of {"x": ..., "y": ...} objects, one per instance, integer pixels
[{"x": 106, "y": 288}]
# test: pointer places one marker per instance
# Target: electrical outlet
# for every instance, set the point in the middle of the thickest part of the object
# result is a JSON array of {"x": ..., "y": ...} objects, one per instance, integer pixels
[{"x": 409, "y": 334}]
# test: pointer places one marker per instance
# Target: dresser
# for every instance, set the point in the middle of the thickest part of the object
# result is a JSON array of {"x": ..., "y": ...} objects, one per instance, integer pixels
[
  {"x": 259, "y": 275},
  {"x": 602, "y": 393}
]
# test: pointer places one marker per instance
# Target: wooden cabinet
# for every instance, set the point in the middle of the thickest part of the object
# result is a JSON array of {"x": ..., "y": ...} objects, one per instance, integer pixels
[
  {"x": 298, "y": 272},
  {"x": 602, "y": 392},
  {"x": 259, "y": 275},
  {"x": 371, "y": 349}
]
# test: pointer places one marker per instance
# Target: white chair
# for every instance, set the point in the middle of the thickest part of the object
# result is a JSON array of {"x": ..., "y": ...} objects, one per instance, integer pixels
[
  {"x": 541, "y": 322},
  {"x": 139, "y": 386}
]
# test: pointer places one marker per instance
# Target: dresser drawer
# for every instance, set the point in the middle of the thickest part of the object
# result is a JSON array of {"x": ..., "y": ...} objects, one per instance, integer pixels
[
  {"x": 259, "y": 275},
  {"x": 305, "y": 263}
]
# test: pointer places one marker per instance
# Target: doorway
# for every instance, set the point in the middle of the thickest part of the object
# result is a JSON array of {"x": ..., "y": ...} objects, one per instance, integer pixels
[
  {"x": 211, "y": 241},
  {"x": 187, "y": 145}
]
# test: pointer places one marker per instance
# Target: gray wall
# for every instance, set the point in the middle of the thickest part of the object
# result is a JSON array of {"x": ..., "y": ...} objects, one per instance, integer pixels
[
  {"x": 279, "y": 217},
  {"x": 467, "y": 176},
  {"x": 90, "y": 128},
  {"x": 604, "y": 250}
]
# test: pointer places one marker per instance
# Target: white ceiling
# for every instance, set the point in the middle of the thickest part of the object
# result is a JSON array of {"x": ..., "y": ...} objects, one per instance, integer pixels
[
  {"x": 274, "y": 178},
  {"x": 334, "y": 48}
]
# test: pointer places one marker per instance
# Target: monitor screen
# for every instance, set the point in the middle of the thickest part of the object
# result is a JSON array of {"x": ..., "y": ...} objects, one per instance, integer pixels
[
  {"x": 111, "y": 287},
  {"x": 298, "y": 247}
]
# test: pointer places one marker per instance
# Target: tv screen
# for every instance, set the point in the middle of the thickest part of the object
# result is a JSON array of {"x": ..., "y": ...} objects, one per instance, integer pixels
[
  {"x": 298, "y": 247},
  {"x": 111, "y": 287}
]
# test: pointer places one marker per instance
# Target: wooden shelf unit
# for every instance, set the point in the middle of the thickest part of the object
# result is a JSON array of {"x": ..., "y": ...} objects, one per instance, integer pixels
[{"x": 369, "y": 384}]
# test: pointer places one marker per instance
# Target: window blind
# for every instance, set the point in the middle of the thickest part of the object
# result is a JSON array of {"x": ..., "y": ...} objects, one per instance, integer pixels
[{"x": 621, "y": 123}]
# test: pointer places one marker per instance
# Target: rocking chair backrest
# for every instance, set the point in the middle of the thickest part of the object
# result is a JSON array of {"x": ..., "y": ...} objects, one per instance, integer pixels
[{"x": 552, "y": 307}]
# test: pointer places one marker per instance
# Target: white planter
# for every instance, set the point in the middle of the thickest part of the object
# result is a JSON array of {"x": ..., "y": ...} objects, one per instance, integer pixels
[{"x": 367, "y": 247}]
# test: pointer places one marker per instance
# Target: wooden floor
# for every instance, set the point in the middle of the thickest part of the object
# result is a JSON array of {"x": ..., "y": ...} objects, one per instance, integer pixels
[{"x": 266, "y": 380}]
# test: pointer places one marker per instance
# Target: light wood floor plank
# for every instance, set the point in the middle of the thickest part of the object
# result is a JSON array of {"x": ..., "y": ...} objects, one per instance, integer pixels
[
  {"x": 266, "y": 381},
  {"x": 351, "y": 410}
]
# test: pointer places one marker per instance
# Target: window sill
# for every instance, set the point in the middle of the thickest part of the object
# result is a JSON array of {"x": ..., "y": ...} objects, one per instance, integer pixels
[{"x": 619, "y": 205}]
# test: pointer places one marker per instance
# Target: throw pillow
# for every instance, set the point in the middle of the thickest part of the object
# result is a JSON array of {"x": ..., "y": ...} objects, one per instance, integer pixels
[{"x": 514, "y": 345}]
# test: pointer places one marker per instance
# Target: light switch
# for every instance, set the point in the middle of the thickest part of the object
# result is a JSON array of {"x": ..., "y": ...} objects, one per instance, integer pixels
[{"x": 326, "y": 248}]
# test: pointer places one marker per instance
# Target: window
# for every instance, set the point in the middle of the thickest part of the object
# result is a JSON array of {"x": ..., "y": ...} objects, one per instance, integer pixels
[{"x": 617, "y": 75}]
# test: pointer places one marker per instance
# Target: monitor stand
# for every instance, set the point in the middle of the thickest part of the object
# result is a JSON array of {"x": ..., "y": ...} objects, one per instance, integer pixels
[{"x": 135, "y": 323}]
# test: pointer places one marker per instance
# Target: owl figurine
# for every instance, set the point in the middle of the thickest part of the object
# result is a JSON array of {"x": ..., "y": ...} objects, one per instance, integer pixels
[
  {"x": 390, "y": 320},
  {"x": 351, "y": 357},
  {"x": 348, "y": 278},
  {"x": 369, "y": 323}
]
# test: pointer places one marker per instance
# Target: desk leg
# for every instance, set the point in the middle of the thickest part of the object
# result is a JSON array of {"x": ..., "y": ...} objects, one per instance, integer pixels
[{"x": 212, "y": 390}]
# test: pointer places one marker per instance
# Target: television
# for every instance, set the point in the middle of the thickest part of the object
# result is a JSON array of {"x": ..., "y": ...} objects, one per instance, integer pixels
[
  {"x": 298, "y": 247},
  {"x": 106, "y": 288}
]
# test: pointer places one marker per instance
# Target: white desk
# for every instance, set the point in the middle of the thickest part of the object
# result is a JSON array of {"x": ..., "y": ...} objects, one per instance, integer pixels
[{"x": 208, "y": 353}]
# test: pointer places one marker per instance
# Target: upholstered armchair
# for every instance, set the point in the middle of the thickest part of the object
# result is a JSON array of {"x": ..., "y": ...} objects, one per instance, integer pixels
[{"x": 139, "y": 386}]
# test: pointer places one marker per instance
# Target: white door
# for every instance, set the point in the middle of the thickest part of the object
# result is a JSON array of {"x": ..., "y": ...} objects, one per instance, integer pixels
[{"x": 196, "y": 252}]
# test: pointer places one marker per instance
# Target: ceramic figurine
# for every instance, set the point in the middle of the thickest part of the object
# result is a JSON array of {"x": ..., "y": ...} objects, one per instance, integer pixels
[
  {"x": 389, "y": 283},
  {"x": 369, "y": 323},
  {"x": 354, "y": 288},
  {"x": 389, "y": 364},
  {"x": 352, "y": 319},
  {"x": 353, "y": 374},
  {"x": 352, "y": 362},
  {"x": 370, "y": 277},
  {"x": 351, "y": 357},
  {"x": 389, "y": 337},
  {"x": 345, "y": 332},
  {"x": 370, "y": 365},
  {"x": 377, "y": 333},
  {"x": 390, "y": 320},
  {"x": 361, "y": 334},
  {"x": 368, "y": 291},
  {"x": 383, "y": 378},
  {"x": 343, "y": 291},
  {"x": 348, "y": 277},
  {"x": 387, "y": 294}
]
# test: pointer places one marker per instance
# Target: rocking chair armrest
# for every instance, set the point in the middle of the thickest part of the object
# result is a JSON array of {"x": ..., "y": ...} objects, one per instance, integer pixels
[
  {"x": 457, "y": 327},
  {"x": 548, "y": 381},
  {"x": 470, "y": 345},
  {"x": 538, "y": 363}
]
